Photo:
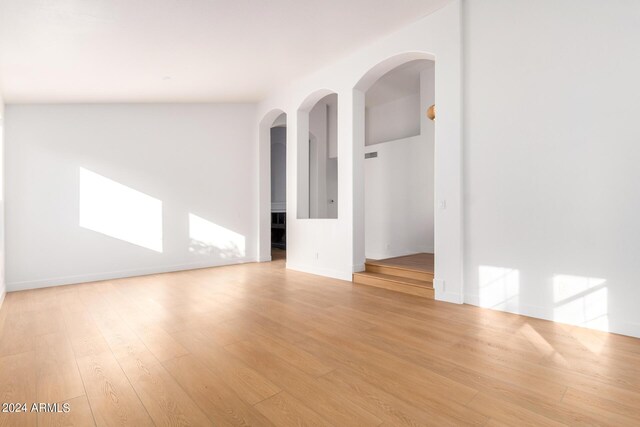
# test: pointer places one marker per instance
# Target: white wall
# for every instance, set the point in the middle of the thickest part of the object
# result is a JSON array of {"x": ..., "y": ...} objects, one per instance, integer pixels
[
  {"x": 335, "y": 247},
  {"x": 397, "y": 119},
  {"x": 552, "y": 146},
  {"x": 2, "y": 185},
  {"x": 399, "y": 182},
  {"x": 278, "y": 168},
  {"x": 396, "y": 195},
  {"x": 195, "y": 161}
]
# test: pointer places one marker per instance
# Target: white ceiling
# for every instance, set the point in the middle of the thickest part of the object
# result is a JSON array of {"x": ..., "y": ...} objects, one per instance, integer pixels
[
  {"x": 181, "y": 50},
  {"x": 400, "y": 82}
]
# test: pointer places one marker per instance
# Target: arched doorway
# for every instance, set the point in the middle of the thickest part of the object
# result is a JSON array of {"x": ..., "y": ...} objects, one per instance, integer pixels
[
  {"x": 273, "y": 202},
  {"x": 447, "y": 226}
]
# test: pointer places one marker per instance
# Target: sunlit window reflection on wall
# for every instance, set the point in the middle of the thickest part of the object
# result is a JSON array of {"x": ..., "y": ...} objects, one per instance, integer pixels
[
  {"x": 581, "y": 301},
  {"x": 208, "y": 238},
  {"x": 499, "y": 287},
  {"x": 120, "y": 212}
]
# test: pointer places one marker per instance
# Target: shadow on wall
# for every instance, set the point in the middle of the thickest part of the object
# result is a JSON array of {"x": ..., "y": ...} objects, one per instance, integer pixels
[
  {"x": 577, "y": 300},
  {"x": 115, "y": 210}
]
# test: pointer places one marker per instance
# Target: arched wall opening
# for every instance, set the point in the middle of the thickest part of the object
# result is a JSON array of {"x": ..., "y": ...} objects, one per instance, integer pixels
[
  {"x": 335, "y": 247},
  {"x": 317, "y": 160},
  {"x": 272, "y": 198},
  {"x": 449, "y": 256},
  {"x": 399, "y": 164}
]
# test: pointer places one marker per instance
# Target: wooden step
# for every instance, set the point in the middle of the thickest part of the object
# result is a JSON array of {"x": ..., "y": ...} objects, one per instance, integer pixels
[
  {"x": 422, "y": 288},
  {"x": 393, "y": 270}
]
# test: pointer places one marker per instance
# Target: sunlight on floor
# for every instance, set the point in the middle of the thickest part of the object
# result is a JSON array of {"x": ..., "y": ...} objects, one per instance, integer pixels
[
  {"x": 208, "y": 238},
  {"x": 119, "y": 211},
  {"x": 536, "y": 340},
  {"x": 499, "y": 287}
]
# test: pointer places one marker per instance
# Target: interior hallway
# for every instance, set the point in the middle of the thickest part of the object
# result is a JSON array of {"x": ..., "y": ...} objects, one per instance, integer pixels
[{"x": 261, "y": 345}]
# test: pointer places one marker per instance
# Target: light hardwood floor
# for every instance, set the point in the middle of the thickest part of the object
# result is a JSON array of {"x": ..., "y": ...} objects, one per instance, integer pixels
[{"x": 256, "y": 344}]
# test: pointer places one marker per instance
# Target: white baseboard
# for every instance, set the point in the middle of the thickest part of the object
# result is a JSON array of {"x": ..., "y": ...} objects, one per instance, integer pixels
[
  {"x": 546, "y": 313},
  {"x": 319, "y": 271},
  {"x": 121, "y": 274},
  {"x": 451, "y": 297},
  {"x": 627, "y": 328}
]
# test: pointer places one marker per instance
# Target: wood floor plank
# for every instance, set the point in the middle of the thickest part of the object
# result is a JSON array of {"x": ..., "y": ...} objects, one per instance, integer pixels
[
  {"x": 212, "y": 394},
  {"x": 285, "y": 410},
  {"x": 489, "y": 383},
  {"x": 89, "y": 345},
  {"x": 126, "y": 345},
  {"x": 112, "y": 398},
  {"x": 384, "y": 405},
  {"x": 604, "y": 409},
  {"x": 432, "y": 398},
  {"x": 297, "y": 357},
  {"x": 316, "y": 395},
  {"x": 18, "y": 385},
  {"x": 59, "y": 382},
  {"x": 508, "y": 413},
  {"x": 257, "y": 344},
  {"x": 249, "y": 384},
  {"x": 54, "y": 347},
  {"x": 16, "y": 336},
  {"x": 160, "y": 343},
  {"x": 439, "y": 384},
  {"x": 165, "y": 401},
  {"x": 47, "y": 321},
  {"x": 85, "y": 336}
]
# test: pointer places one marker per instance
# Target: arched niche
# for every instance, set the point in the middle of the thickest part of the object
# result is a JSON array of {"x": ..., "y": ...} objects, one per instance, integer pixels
[{"x": 317, "y": 172}]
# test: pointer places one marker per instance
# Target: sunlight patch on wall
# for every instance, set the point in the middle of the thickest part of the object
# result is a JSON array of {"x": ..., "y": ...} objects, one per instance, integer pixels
[
  {"x": 581, "y": 301},
  {"x": 113, "y": 209},
  {"x": 499, "y": 287},
  {"x": 208, "y": 238}
]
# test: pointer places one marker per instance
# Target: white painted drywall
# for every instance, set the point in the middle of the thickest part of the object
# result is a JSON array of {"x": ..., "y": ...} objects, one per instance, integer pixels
[
  {"x": 195, "y": 161},
  {"x": 335, "y": 247},
  {"x": 399, "y": 182},
  {"x": 393, "y": 120},
  {"x": 552, "y": 145},
  {"x": 2, "y": 204},
  {"x": 396, "y": 209},
  {"x": 278, "y": 168}
]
